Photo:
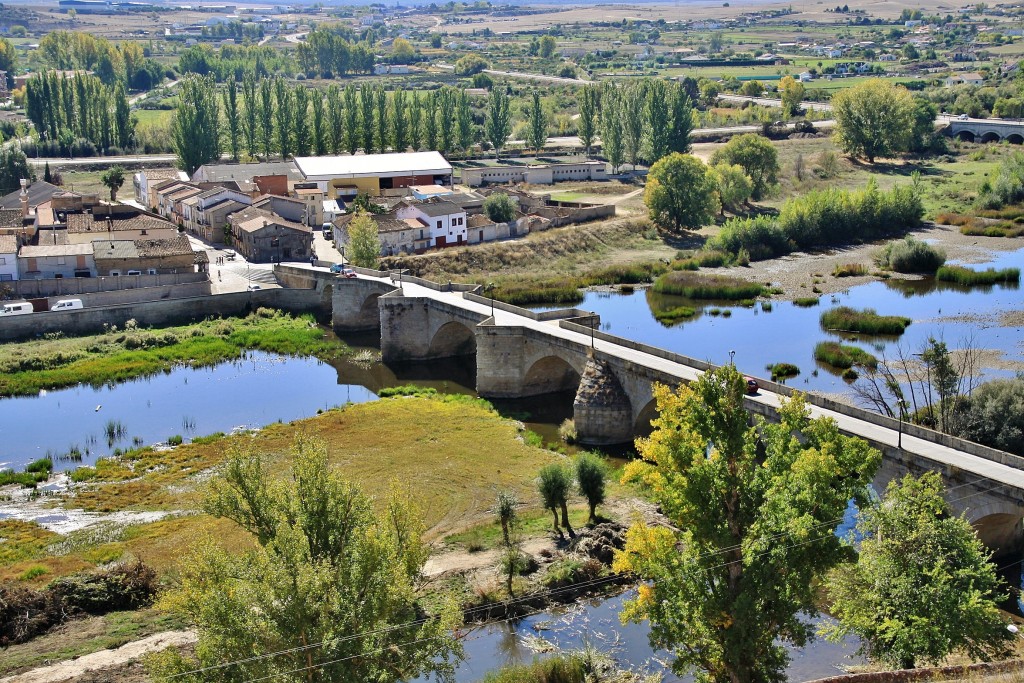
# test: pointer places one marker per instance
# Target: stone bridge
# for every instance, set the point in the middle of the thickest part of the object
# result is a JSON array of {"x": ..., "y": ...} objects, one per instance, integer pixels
[
  {"x": 520, "y": 353},
  {"x": 987, "y": 130}
]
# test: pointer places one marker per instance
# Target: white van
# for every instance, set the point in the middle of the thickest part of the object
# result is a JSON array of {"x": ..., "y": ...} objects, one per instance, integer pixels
[
  {"x": 20, "y": 308},
  {"x": 67, "y": 305}
]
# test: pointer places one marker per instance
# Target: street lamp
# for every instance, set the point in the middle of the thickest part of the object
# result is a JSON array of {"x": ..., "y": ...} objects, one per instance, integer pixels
[
  {"x": 489, "y": 288},
  {"x": 901, "y": 405},
  {"x": 732, "y": 358}
]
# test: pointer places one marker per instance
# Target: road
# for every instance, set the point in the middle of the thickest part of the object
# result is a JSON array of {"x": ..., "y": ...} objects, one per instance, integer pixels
[
  {"x": 950, "y": 459},
  {"x": 554, "y": 80},
  {"x": 772, "y": 102},
  {"x": 138, "y": 98}
]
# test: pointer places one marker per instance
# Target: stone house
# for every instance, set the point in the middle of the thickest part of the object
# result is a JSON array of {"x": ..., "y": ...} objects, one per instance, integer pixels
[
  {"x": 56, "y": 261},
  {"x": 144, "y": 256},
  {"x": 263, "y": 237},
  {"x": 8, "y": 258}
]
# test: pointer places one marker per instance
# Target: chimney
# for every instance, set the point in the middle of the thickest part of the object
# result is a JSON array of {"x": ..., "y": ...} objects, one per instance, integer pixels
[{"x": 24, "y": 198}]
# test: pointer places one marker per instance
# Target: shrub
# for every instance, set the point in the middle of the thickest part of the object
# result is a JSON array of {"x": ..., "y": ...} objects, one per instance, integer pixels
[
  {"x": 969, "y": 277},
  {"x": 806, "y": 301},
  {"x": 558, "y": 669},
  {"x": 846, "y": 319},
  {"x": 849, "y": 270},
  {"x": 911, "y": 256},
  {"x": 693, "y": 286},
  {"x": 994, "y": 415},
  {"x": 843, "y": 356},
  {"x": 783, "y": 370},
  {"x": 500, "y": 208},
  {"x": 567, "y": 431},
  {"x": 175, "y": 440},
  {"x": 674, "y": 315}
]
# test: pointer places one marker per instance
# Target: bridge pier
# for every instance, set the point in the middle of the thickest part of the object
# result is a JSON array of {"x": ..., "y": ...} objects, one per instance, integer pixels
[{"x": 602, "y": 412}]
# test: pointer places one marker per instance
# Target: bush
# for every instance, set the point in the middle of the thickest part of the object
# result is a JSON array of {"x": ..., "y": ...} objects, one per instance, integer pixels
[
  {"x": 969, "y": 277},
  {"x": 846, "y": 319},
  {"x": 500, "y": 208},
  {"x": 911, "y": 256},
  {"x": 823, "y": 217},
  {"x": 693, "y": 286},
  {"x": 806, "y": 301},
  {"x": 1008, "y": 186},
  {"x": 843, "y": 356},
  {"x": 994, "y": 415},
  {"x": 674, "y": 315},
  {"x": 783, "y": 370},
  {"x": 559, "y": 669},
  {"x": 849, "y": 270}
]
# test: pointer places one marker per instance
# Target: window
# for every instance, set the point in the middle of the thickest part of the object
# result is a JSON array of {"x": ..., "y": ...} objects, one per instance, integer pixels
[
  {"x": 439, "y": 225},
  {"x": 60, "y": 260},
  {"x": 151, "y": 271},
  {"x": 3, "y": 260}
]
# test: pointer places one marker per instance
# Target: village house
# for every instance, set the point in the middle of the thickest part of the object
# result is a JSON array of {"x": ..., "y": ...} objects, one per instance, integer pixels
[
  {"x": 263, "y": 237},
  {"x": 288, "y": 208},
  {"x": 56, "y": 261},
  {"x": 536, "y": 174},
  {"x": 144, "y": 256},
  {"x": 205, "y": 214},
  {"x": 8, "y": 258},
  {"x": 445, "y": 222},
  {"x": 145, "y": 180},
  {"x": 970, "y": 78}
]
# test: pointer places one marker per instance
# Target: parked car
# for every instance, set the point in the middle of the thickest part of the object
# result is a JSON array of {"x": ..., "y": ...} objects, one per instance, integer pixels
[
  {"x": 963, "y": 117},
  {"x": 752, "y": 386},
  {"x": 253, "y": 288},
  {"x": 343, "y": 270},
  {"x": 17, "y": 308},
  {"x": 67, "y": 305},
  {"x": 230, "y": 254}
]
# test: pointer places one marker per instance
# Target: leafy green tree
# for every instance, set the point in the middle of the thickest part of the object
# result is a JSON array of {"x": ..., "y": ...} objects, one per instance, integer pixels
[
  {"x": 464, "y": 118},
  {"x": 554, "y": 483},
  {"x": 548, "y": 45},
  {"x": 232, "y": 119},
  {"x": 382, "y": 119},
  {"x": 512, "y": 561},
  {"x": 328, "y": 586},
  {"x": 300, "y": 120},
  {"x": 446, "y": 119},
  {"x": 633, "y": 121},
  {"x": 682, "y": 120},
  {"x": 754, "y": 510},
  {"x": 284, "y": 114},
  {"x": 351, "y": 119},
  {"x": 430, "y": 106},
  {"x": 470, "y": 64},
  {"x": 734, "y": 186},
  {"x": 758, "y": 158},
  {"x": 195, "y": 127},
  {"x": 321, "y": 139},
  {"x": 923, "y": 587},
  {"x": 922, "y": 132},
  {"x": 400, "y": 120},
  {"x": 415, "y": 121},
  {"x": 124, "y": 122},
  {"x": 366, "y": 107},
  {"x": 586, "y": 125},
  {"x": 8, "y": 60},
  {"x": 659, "y": 123},
  {"x": 250, "y": 108},
  {"x": 13, "y": 167},
  {"x": 267, "y": 116},
  {"x": 335, "y": 119},
  {"x": 792, "y": 93},
  {"x": 537, "y": 132},
  {"x": 681, "y": 193},
  {"x": 113, "y": 179},
  {"x": 498, "y": 125},
  {"x": 873, "y": 119},
  {"x": 500, "y": 208},
  {"x": 611, "y": 131},
  {"x": 590, "y": 480},
  {"x": 994, "y": 415},
  {"x": 364, "y": 241},
  {"x": 752, "y": 88}
]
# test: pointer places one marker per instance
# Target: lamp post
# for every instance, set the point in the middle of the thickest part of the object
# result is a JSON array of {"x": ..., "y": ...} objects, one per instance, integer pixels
[
  {"x": 901, "y": 406},
  {"x": 732, "y": 358},
  {"x": 343, "y": 253},
  {"x": 489, "y": 288}
]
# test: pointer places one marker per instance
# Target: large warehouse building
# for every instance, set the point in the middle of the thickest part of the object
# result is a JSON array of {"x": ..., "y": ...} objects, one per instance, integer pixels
[{"x": 374, "y": 174}]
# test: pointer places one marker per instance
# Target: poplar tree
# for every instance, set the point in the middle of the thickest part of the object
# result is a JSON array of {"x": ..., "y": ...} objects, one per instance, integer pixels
[
  {"x": 250, "y": 103},
  {"x": 320, "y": 137},
  {"x": 430, "y": 120},
  {"x": 538, "y": 128},
  {"x": 682, "y": 120},
  {"x": 498, "y": 125},
  {"x": 415, "y": 121},
  {"x": 658, "y": 120},
  {"x": 335, "y": 119},
  {"x": 283, "y": 115},
  {"x": 366, "y": 116},
  {"x": 351, "y": 119},
  {"x": 300, "y": 118},
  {"x": 465, "y": 122},
  {"x": 446, "y": 119},
  {"x": 632, "y": 105},
  {"x": 400, "y": 120},
  {"x": 123, "y": 120},
  {"x": 195, "y": 127},
  {"x": 586, "y": 125},
  {"x": 231, "y": 117},
  {"x": 611, "y": 131},
  {"x": 382, "y": 120},
  {"x": 267, "y": 116}
]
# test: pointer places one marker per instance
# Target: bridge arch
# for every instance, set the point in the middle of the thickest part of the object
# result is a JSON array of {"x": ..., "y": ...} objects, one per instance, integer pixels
[
  {"x": 990, "y": 136},
  {"x": 966, "y": 136},
  {"x": 549, "y": 375},
  {"x": 642, "y": 425},
  {"x": 452, "y": 339},
  {"x": 999, "y": 525},
  {"x": 1015, "y": 139}
]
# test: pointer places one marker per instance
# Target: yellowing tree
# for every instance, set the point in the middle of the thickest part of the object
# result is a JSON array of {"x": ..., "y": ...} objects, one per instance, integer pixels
[
  {"x": 756, "y": 508},
  {"x": 873, "y": 119},
  {"x": 792, "y": 93}
]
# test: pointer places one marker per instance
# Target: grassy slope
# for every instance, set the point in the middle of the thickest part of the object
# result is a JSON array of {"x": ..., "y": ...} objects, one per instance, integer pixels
[{"x": 453, "y": 454}]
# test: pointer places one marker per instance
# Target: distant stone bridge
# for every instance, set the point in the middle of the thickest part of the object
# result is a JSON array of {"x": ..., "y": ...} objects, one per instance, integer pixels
[
  {"x": 987, "y": 130},
  {"x": 519, "y": 353}
]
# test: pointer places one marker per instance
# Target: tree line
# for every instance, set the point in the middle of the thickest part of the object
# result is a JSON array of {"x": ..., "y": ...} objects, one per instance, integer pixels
[
  {"x": 125, "y": 62},
  {"x": 81, "y": 107},
  {"x": 268, "y": 117}
]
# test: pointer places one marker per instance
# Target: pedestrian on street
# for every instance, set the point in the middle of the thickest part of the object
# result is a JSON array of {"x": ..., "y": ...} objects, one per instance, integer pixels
[{"x": 218, "y": 275}]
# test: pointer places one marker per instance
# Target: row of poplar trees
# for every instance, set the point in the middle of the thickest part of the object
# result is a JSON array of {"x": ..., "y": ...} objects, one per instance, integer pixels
[
  {"x": 266, "y": 117},
  {"x": 80, "y": 107}
]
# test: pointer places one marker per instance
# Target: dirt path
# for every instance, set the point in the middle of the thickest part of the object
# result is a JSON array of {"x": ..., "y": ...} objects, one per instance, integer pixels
[
  {"x": 104, "y": 659},
  {"x": 464, "y": 561}
]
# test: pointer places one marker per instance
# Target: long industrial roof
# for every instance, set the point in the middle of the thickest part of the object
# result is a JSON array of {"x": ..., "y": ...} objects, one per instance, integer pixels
[{"x": 371, "y": 165}]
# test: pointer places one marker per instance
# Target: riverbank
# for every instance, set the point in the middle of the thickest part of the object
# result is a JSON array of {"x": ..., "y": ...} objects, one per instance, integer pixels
[{"x": 56, "y": 361}]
